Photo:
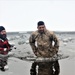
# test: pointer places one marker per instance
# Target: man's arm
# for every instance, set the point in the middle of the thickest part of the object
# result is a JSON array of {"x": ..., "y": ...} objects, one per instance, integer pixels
[
  {"x": 3, "y": 49},
  {"x": 32, "y": 43},
  {"x": 7, "y": 48},
  {"x": 56, "y": 42}
]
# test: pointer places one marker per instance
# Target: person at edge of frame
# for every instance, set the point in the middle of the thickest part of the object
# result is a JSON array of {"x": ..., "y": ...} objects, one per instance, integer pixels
[
  {"x": 47, "y": 46},
  {"x": 5, "y": 47}
]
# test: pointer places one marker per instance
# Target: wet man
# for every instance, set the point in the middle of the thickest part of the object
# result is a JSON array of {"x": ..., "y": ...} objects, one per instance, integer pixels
[{"x": 44, "y": 43}]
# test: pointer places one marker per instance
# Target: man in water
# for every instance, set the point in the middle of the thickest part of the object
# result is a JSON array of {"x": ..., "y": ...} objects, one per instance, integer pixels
[{"x": 44, "y": 43}]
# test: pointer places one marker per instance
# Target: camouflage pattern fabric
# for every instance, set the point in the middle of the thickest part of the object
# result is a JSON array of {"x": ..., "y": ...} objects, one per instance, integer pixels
[
  {"x": 45, "y": 68},
  {"x": 42, "y": 44}
]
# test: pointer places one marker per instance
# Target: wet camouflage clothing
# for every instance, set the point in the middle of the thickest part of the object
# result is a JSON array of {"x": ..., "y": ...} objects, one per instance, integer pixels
[
  {"x": 45, "y": 68},
  {"x": 49, "y": 68},
  {"x": 42, "y": 44}
]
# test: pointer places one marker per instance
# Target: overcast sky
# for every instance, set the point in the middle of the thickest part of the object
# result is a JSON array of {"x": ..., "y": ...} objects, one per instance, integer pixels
[{"x": 23, "y": 15}]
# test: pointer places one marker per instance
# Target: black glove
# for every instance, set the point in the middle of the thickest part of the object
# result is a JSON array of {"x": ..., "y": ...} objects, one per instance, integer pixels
[{"x": 12, "y": 47}]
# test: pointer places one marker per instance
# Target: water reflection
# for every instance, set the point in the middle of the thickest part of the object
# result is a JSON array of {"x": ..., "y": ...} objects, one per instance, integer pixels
[{"x": 45, "y": 68}]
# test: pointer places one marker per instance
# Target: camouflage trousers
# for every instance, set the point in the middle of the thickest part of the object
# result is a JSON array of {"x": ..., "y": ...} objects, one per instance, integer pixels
[{"x": 46, "y": 68}]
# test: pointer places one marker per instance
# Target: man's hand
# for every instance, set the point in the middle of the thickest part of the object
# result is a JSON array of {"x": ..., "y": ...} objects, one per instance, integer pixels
[
  {"x": 5, "y": 49},
  {"x": 35, "y": 51},
  {"x": 12, "y": 47}
]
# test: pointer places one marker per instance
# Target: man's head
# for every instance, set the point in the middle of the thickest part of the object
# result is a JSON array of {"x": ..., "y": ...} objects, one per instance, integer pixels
[
  {"x": 2, "y": 32},
  {"x": 41, "y": 26}
]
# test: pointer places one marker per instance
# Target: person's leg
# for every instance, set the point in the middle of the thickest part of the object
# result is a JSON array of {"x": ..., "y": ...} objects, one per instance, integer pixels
[
  {"x": 45, "y": 68},
  {"x": 4, "y": 65},
  {"x": 56, "y": 67},
  {"x": 33, "y": 69}
]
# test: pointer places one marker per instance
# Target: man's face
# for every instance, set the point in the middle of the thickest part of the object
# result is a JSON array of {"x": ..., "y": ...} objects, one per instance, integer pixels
[
  {"x": 3, "y": 33},
  {"x": 41, "y": 28}
]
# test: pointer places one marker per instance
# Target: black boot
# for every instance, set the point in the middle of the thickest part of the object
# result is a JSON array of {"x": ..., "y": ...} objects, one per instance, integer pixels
[{"x": 2, "y": 69}]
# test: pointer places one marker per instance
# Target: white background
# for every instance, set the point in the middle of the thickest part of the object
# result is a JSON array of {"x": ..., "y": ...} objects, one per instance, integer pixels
[{"x": 23, "y": 15}]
